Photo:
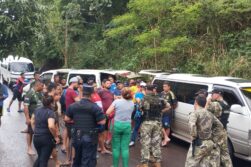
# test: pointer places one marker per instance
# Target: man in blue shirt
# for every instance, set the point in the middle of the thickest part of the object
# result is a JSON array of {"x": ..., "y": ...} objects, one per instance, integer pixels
[
  {"x": 3, "y": 95},
  {"x": 113, "y": 84},
  {"x": 117, "y": 91}
]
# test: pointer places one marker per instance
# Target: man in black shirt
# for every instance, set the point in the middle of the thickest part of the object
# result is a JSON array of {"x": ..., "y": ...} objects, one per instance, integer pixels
[{"x": 86, "y": 115}]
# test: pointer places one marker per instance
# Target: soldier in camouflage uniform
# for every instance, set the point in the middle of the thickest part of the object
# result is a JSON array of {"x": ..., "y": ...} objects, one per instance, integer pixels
[
  {"x": 203, "y": 152},
  {"x": 32, "y": 100},
  {"x": 151, "y": 106},
  {"x": 216, "y": 106}
]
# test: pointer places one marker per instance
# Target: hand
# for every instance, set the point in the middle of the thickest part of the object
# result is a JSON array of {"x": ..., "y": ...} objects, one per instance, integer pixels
[
  {"x": 57, "y": 140},
  {"x": 28, "y": 122}
]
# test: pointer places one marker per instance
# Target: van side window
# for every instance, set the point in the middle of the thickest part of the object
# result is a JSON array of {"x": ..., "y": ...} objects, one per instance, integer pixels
[
  {"x": 159, "y": 84},
  {"x": 231, "y": 98},
  {"x": 185, "y": 92}
]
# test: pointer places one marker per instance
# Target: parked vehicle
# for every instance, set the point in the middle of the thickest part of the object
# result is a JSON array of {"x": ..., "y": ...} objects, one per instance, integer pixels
[
  {"x": 48, "y": 76},
  {"x": 236, "y": 91},
  {"x": 99, "y": 75},
  {"x": 12, "y": 67}
]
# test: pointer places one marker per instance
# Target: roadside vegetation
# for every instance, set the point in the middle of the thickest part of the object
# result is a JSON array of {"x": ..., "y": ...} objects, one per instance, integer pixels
[{"x": 196, "y": 36}]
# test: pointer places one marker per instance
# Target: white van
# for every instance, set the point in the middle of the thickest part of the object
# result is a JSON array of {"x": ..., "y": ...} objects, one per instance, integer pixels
[
  {"x": 236, "y": 91},
  {"x": 98, "y": 75},
  {"x": 11, "y": 68},
  {"x": 48, "y": 76}
]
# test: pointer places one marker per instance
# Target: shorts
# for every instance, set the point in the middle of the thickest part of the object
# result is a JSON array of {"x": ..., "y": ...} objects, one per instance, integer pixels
[
  {"x": 30, "y": 130},
  {"x": 68, "y": 127},
  {"x": 166, "y": 121},
  {"x": 17, "y": 95}
]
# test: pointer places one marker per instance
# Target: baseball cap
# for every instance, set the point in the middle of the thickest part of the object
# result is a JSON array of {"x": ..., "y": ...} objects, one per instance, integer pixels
[
  {"x": 87, "y": 89},
  {"x": 73, "y": 80},
  {"x": 217, "y": 90},
  {"x": 142, "y": 84},
  {"x": 202, "y": 91},
  {"x": 126, "y": 84}
]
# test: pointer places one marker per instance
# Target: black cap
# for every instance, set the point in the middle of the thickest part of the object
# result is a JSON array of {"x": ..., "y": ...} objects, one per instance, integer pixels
[
  {"x": 118, "y": 82},
  {"x": 87, "y": 89},
  {"x": 216, "y": 90},
  {"x": 22, "y": 73},
  {"x": 202, "y": 92},
  {"x": 126, "y": 84},
  {"x": 150, "y": 87}
]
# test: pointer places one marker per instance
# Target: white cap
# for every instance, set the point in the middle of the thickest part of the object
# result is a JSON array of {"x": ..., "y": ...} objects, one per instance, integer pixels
[
  {"x": 73, "y": 80},
  {"x": 142, "y": 84}
]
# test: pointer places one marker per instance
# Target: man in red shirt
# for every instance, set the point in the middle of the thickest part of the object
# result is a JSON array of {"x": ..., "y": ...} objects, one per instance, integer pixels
[
  {"x": 107, "y": 98},
  {"x": 17, "y": 92},
  {"x": 71, "y": 96}
]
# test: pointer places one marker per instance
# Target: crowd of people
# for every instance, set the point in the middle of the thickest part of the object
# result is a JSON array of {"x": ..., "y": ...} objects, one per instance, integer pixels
[{"x": 84, "y": 119}]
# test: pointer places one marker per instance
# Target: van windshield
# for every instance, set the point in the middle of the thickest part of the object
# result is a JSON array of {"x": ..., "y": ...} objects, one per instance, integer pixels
[
  {"x": 246, "y": 91},
  {"x": 21, "y": 67}
]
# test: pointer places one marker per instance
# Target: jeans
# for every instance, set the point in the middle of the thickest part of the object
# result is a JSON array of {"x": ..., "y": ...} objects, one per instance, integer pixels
[
  {"x": 135, "y": 132},
  {"x": 85, "y": 151},
  {"x": 44, "y": 145},
  {"x": 120, "y": 142}
]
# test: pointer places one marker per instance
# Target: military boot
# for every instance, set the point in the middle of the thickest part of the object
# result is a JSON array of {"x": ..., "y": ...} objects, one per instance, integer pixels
[
  {"x": 142, "y": 165},
  {"x": 156, "y": 164}
]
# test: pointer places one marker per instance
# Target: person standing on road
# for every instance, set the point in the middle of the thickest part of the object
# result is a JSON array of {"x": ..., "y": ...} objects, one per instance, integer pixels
[
  {"x": 170, "y": 98},
  {"x": 107, "y": 98},
  {"x": 86, "y": 116},
  {"x": 137, "y": 117},
  {"x": 3, "y": 95},
  {"x": 32, "y": 100},
  {"x": 17, "y": 92},
  {"x": 71, "y": 96},
  {"x": 216, "y": 105},
  {"x": 152, "y": 107},
  {"x": 121, "y": 131},
  {"x": 203, "y": 150},
  {"x": 45, "y": 135}
]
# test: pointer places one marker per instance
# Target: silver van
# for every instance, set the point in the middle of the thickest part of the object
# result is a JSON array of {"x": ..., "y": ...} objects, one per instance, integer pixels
[{"x": 237, "y": 92}]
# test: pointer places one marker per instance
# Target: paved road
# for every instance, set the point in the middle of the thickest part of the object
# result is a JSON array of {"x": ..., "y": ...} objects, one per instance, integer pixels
[{"x": 13, "y": 147}]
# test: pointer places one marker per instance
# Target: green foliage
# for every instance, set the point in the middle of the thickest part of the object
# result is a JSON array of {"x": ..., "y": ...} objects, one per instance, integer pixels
[{"x": 198, "y": 36}]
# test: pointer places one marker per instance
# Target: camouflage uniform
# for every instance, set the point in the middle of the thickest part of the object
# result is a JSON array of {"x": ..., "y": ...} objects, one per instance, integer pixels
[
  {"x": 151, "y": 128},
  {"x": 33, "y": 100},
  {"x": 220, "y": 135},
  {"x": 201, "y": 123}
]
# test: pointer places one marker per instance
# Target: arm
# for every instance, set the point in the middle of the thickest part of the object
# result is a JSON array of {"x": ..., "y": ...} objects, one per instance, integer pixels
[
  {"x": 167, "y": 107},
  {"x": 110, "y": 109},
  {"x": 192, "y": 124},
  {"x": 53, "y": 129},
  {"x": 33, "y": 121},
  {"x": 67, "y": 119}
]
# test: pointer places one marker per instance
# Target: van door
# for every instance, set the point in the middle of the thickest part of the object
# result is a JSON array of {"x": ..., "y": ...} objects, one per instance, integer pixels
[
  {"x": 238, "y": 124},
  {"x": 185, "y": 93}
]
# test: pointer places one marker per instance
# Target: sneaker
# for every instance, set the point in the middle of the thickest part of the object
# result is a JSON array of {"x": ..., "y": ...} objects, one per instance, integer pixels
[
  {"x": 20, "y": 111},
  {"x": 8, "y": 109},
  {"x": 131, "y": 144}
]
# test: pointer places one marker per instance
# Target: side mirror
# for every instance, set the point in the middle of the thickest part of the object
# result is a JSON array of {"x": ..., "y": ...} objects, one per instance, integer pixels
[{"x": 236, "y": 108}]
